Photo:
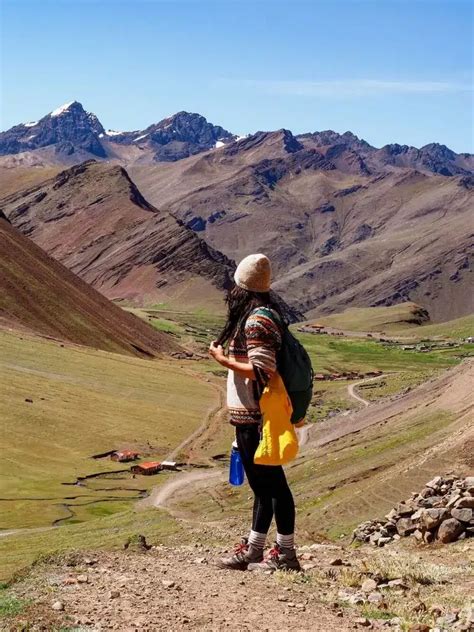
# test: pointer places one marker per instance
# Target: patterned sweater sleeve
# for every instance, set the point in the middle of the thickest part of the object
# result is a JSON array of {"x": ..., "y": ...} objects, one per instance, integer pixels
[{"x": 263, "y": 340}]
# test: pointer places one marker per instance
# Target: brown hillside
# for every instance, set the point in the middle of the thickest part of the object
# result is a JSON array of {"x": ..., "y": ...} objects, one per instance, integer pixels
[
  {"x": 338, "y": 237},
  {"x": 94, "y": 220},
  {"x": 39, "y": 294}
]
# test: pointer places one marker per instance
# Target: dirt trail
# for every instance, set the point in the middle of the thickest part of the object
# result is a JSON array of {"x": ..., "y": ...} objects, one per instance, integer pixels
[
  {"x": 452, "y": 384},
  {"x": 160, "y": 495},
  {"x": 353, "y": 394},
  {"x": 175, "y": 588},
  {"x": 213, "y": 418}
]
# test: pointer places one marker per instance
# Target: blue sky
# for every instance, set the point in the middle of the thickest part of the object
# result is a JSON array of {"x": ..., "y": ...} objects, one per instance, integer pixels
[{"x": 388, "y": 70}]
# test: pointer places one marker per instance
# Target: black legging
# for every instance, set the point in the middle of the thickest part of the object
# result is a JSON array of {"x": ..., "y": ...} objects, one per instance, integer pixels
[{"x": 268, "y": 483}]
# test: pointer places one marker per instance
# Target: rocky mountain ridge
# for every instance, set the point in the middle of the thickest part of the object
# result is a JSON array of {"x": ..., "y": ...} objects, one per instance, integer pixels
[
  {"x": 71, "y": 131},
  {"x": 337, "y": 235},
  {"x": 93, "y": 219},
  {"x": 73, "y": 135}
]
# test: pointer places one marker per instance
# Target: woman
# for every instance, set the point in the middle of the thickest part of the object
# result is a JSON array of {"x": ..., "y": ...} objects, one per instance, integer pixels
[{"x": 252, "y": 335}]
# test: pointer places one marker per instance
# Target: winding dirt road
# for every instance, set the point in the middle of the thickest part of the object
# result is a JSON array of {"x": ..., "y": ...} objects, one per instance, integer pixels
[
  {"x": 161, "y": 495},
  {"x": 353, "y": 394}
]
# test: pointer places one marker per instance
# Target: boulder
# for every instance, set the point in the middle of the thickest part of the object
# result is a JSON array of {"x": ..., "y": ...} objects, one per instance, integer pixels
[
  {"x": 453, "y": 500},
  {"x": 418, "y": 535},
  {"x": 432, "y": 501},
  {"x": 404, "y": 510},
  {"x": 392, "y": 515},
  {"x": 405, "y": 526},
  {"x": 435, "y": 482},
  {"x": 465, "y": 502},
  {"x": 450, "y": 530},
  {"x": 462, "y": 514},
  {"x": 375, "y": 597},
  {"x": 432, "y": 518}
]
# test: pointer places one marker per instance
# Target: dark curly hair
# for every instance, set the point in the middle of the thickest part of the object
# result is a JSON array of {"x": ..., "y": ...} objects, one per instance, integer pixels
[{"x": 240, "y": 304}]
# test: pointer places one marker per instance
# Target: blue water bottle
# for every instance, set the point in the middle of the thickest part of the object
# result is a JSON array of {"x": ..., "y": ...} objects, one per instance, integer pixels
[{"x": 236, "y": 471}]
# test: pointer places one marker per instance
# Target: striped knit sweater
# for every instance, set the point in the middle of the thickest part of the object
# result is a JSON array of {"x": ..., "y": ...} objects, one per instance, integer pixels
[{"x": 259, "y": 345}]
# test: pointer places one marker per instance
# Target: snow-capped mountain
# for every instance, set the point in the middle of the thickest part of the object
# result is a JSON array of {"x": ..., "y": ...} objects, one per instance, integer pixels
[
  {"x": 69, "y": 135},
  {"x": 69, "y": 129},
  {"x": 177, "y": 136}
]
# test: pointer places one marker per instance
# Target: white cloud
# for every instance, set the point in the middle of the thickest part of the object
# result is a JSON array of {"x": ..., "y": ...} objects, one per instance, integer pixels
[{"x": 351, "y": 87}]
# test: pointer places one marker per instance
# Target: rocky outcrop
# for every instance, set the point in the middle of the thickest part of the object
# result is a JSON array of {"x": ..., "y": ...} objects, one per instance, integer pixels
[{"x": 443, "y": 511}]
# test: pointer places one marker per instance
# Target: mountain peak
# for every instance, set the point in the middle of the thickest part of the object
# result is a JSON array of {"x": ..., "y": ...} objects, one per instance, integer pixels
[
  {"x": 64, "y": 108},
  {"x": 177, "y": 136},
  {"x": 68, "y": 129}
]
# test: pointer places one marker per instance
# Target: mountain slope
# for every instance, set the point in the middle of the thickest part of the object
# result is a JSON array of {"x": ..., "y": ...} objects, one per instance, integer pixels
[
  {"x": 94, "y": 220},
  {"x": 337, "y": 237},
  {"x": 40, "y": 295}
]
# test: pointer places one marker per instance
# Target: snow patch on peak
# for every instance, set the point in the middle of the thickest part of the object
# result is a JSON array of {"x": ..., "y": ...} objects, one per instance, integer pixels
[
  {"x": 219, "y": 144},
  {"x": 63, "y": 108},
  {"x": 239, "y": 138},
  {"x": 31, "y": 124},
  {"x": 111, "y": 132},
  {"x": 140, "y": 137}
]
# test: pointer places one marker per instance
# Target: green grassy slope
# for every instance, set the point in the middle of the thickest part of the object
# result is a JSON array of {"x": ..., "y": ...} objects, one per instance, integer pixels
[
  {"x": 455, "y": 329},
  {"x": 84, "y": 402},
  {"x": 375, "y": 318},
  {"x": 396, "y": 320}
]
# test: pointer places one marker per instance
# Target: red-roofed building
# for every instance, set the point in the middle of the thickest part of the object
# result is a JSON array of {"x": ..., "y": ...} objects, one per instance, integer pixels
[
  {"x": 122, "y": 456},
  {"x": 147, "y": 468}
]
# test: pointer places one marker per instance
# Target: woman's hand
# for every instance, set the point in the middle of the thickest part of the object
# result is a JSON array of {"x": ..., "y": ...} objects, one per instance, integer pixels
[{"x": 217, "y": 352}]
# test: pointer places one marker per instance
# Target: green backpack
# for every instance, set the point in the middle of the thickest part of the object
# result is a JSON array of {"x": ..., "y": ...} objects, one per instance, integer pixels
[{"x": 294, "y": 366}]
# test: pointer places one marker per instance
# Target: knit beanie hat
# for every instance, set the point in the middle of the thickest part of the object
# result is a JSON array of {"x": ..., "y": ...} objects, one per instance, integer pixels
[{"x": 254, "y": 273}]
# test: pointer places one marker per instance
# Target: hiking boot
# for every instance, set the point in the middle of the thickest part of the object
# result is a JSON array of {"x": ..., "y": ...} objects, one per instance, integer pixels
[
  {"x": 244, "y": 554},
  {"x": 278, "y": 559}
]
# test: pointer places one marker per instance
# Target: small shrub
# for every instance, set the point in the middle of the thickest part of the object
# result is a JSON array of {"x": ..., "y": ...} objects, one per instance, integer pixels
[
  {"x": 10, "y": 605},
  {"x": 350, "y": 577},
  {"x": 388, "y": 565}
]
